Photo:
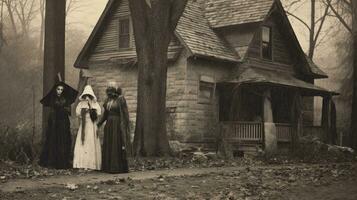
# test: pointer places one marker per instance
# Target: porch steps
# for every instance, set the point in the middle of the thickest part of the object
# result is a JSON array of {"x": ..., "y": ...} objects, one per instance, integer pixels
[
  {"x": 246, "y": 149},
  {"x": 239, "y": 149}
]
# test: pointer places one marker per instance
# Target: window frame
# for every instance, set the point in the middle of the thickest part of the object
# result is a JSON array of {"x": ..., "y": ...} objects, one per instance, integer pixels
[
  {"x": 206, "y": 82},
  {"x": 129, "y": 34},
  {"x": 269, "y": 44}
]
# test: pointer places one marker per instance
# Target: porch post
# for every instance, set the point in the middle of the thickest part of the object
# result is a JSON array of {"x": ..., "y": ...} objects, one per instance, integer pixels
[
  {"x": 326, "y": 119},
  {"x": 296, "y": 119},
  {"x": 270, "y": 138}
]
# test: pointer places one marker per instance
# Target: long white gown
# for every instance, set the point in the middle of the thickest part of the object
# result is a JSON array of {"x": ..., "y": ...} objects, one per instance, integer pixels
[{"x": 87, "y": 154}]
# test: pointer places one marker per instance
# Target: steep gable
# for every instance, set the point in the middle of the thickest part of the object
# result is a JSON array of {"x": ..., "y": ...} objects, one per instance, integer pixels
[
  {"x": 239, "y": 21},
  {"x": 303, "y": 62},
  {"x": 282, "y": 55},
  {"x": 103, "y": 43},
  {"x": 192, "y": 32},
  {"x": 287, "y": 54}
]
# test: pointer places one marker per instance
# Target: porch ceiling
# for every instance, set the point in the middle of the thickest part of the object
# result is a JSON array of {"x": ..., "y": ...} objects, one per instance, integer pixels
[{"x": 275, "y": 78}]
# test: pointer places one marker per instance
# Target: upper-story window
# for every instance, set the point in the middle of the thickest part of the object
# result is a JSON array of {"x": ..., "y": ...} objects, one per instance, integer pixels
[
  {"x": 267, "y": 43},
  {"x": 124, "y": 33}
]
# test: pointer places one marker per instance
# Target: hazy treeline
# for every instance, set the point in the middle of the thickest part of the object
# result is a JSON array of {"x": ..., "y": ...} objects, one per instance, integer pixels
[
  {"x": 21, "y": 66},
  {"x": 21, "y": 58}
]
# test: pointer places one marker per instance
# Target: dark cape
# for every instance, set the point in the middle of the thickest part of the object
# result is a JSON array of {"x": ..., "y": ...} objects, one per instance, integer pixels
[
  {"x": 56, "y": 152},
  {"x": 116, "y": 142}
]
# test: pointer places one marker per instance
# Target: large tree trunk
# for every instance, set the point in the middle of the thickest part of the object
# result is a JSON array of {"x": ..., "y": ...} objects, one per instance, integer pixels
[
  {"x": 154, "y": 23},
  {"x": 42, "y": 27},
  {"x": 312, "y": 30},
  {"x": 54, "y": 47},
  {"x": 354, "y": 92}
]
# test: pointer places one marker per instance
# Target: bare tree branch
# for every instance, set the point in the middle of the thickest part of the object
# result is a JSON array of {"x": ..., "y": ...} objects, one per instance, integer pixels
[
  {"x": 321, "y": 23},
  {"x": 339, "y": 17},
  {"x": 9, "y": 8},
  {"x": 348, "y": 3},
  {"x": 300, "y": 20},
  {"x": 74, "y": 6}
]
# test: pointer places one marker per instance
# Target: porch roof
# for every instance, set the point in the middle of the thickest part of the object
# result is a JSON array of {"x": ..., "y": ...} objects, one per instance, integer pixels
[{"x": 267, "y": 77}]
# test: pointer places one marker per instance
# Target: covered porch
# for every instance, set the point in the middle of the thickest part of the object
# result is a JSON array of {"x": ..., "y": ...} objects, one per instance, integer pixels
[{"x": 267, "y": 108}]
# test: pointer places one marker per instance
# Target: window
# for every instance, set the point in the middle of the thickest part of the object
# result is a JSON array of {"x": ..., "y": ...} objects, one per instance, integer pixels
[
  {"x": 206, "y": 90},
  {"x": 124, "y": 33},
  {"x": 267, "y": 42}
]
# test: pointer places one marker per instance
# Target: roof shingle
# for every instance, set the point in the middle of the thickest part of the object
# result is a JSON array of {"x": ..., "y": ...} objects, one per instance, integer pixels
[
  {"x": 196, "y": 33},
  {"x": 222, "y": 13}
]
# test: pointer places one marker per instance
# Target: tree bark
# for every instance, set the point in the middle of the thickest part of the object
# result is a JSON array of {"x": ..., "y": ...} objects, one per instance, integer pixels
[
  {"x": 312, "y": 30},
  {"x": 42, "y": 29},
  {"x": 154, "y": 23},
  {"x": 54, "y": 48},
  {"x": 353, "y": 132}
]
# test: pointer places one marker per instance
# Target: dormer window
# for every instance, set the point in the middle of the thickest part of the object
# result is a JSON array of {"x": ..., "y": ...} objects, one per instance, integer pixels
[
  {"x": 267, "y": 43},
  {"x": 124, "y": 33}
]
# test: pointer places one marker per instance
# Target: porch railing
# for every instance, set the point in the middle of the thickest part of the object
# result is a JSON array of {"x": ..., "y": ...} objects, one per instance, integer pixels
[
  {"x": 243, "y": 131},
  {"x": 254, "y": 131},
  {"x": 284, "y": 131}
]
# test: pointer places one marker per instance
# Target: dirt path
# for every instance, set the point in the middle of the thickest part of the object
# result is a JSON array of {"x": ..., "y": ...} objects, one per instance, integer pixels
[
  {"x": 330, "y": 182},
  {"x": 320, "y": 182},
  {"x": 96, "y": 177}
]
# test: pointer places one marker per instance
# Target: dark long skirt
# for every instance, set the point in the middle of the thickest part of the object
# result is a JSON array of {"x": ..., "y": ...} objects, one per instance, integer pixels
[
  {"x": 56, "y": 152},
  {"x": 114, "y": 159}
]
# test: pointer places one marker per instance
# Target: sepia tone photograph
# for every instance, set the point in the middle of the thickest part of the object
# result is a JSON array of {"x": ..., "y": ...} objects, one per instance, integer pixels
[{"x": 178, "y": 99}]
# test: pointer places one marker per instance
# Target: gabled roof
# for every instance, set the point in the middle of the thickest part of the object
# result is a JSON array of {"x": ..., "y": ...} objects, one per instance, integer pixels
[
  {"x": 310, "y": 67},
  {"x": 201, "y": 40},
  {"x": 80, "y": 59},
  {"x": 222, "y": 13},
  {"x": 193, "y": 31}
]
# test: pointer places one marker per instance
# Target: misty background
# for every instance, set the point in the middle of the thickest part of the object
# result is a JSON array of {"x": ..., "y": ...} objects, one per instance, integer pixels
[{"x": 21, "y": 58}]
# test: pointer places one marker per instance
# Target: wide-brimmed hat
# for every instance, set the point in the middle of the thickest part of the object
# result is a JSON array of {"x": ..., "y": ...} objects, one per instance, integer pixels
[
  {"x": 88, "y": 90},
  {"x": 69, "y": 94}
]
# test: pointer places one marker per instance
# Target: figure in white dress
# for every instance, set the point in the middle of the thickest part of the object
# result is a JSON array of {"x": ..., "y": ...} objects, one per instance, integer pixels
[{"x": 87, "y": 150}]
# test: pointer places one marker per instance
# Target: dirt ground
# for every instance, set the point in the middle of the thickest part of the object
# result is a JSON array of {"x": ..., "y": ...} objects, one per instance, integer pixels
[{"x": 325, "y": 182}]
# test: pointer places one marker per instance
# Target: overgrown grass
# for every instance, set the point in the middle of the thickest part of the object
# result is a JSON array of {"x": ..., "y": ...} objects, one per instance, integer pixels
[{"x": 18, "y": 145}]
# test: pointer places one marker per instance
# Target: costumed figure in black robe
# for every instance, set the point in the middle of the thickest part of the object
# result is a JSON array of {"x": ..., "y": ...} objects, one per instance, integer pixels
[
  {"x": 116, "y": 142},
  {"x": 56, "y": 151}
]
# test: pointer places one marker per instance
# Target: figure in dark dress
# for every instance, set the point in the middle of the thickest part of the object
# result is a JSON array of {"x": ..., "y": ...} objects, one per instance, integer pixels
[
  {"x": 56, "y": 151},
  {"x": 116, "y": 141}
]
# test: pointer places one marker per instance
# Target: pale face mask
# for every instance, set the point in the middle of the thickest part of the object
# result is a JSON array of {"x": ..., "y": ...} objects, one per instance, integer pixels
[
  {"x": 87, "y": 98},
  {"x": 59, "y": 90}
]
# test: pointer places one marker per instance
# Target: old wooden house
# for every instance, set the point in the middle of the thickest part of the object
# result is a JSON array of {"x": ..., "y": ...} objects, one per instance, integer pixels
[{"x": 235, "y": 69}]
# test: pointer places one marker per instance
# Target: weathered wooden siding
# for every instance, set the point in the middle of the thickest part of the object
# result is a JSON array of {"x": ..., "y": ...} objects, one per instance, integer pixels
[
  {"x": 127, "y": 79},
  {"x": 239, "y": 37},
  {"x": 107, "y": 46},
  {"x": 282, "y": 59}
]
